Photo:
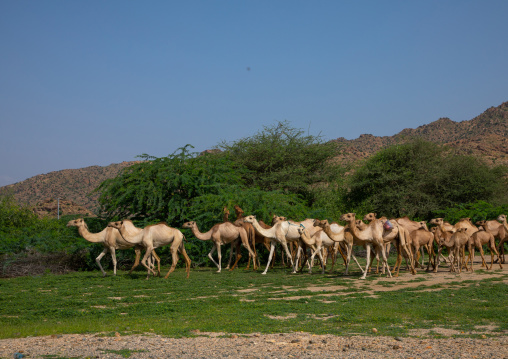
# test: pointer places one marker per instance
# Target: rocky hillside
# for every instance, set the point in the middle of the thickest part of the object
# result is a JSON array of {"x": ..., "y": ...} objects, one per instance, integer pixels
[
  {"x": 74, "y": 187},
  {"x": 485, "y": 136}
]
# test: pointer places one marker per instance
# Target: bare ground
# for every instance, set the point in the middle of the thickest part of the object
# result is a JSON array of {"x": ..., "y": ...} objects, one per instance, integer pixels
[{"x": 488, "y": 343}]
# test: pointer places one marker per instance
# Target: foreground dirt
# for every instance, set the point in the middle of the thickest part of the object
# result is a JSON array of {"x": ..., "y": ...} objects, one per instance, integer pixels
[{"x": 213, "y": 345}]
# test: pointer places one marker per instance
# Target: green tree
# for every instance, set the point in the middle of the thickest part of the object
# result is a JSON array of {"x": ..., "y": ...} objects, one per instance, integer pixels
[
  {"x": 419, "y": 178},
  {"x": 283, "y": 158}
]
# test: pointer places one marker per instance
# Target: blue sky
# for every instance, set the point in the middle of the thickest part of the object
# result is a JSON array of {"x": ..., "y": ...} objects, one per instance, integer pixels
[{"x": 87, "y": 83}]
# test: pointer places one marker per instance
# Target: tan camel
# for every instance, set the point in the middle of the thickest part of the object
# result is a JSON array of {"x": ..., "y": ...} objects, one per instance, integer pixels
[
  {"x": 219, "y": 234},
  {"x": 442, "y": 237},
  {"x": 282, "y": 232},
  {"x": 341, "y": 235},
  {"x": 372, "y": 236},
  {"x": 467, "y": 224},
  {"x": 478, "y": 239},
  {"x": 502, "y": 239},
  {"x": 393, "y": 232},
  {"x": 460, "y": 238},
  {"x": 315, "y": 243},
  {"x": 111, "y": 240},
  {"x": 154, "y": 236},
  {"x": 422, "y": 238}
]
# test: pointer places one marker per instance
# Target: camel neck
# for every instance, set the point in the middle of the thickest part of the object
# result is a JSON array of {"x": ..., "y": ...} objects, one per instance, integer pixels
[
  {"x": 92, "y": 237},
  {"x": 201, "y": 236}
]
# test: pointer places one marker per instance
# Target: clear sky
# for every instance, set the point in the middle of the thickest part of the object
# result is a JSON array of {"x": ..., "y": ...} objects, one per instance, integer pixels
[{"x": 92, "y": 82}]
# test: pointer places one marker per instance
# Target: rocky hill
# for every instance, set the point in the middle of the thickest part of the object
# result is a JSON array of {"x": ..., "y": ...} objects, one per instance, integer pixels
[
  {"x": 74, "y": 187},
  {"x": 485, "y": 136}
]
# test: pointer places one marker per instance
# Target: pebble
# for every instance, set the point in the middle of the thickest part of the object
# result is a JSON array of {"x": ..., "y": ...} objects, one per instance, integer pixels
[{"x": 219, "y": 345}]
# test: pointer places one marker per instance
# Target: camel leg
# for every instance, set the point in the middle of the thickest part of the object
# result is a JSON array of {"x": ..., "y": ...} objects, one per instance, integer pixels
[
  {"x": 211, "y": 257},
  {"x": 231, "y": 256},
  {"x": 286, "y": 249},
  {"x": 145, "y": 257},
  {"x": 385, "y": 261},
  {"x": 219, "y": 255},
  {"x": 297, "y": 259},
  {"x": 492, "y": 251},
  {"x": 137, "y": 250},
  {"x": 367, "y": 264},
  {"x": 98, "y": 260},
  {"x": 158, "y": 263},
  {"x": 272, "y": 249},
  {"x": 174, "y": 258},
  {"x": 113, "y": 258}
]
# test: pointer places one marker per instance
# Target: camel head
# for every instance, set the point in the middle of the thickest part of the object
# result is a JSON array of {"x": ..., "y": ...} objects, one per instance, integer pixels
[
  {"x": 276, "y": 219},
  {"x": 321, "y": 223},
  {"x": 250, "y": 219},
  {"x": 226, "y": 210},
  {"x": 502, "y": 218},
  {"x": 304, "y": 234},
  {"x": 370, "y": 217},
  {"x": 117, "y": 224},
  {"x": 239, "y": 212},
  {"x": 437, "y": 221},
  {"x": 348, "y": 217},
  {"x": 481, "y": 223},
  {"x": 433, "y": 229},
  {"x": 76, "y": 222},
  {"x": 190, "y": 224},
  {"x": 423, "y": 225}
]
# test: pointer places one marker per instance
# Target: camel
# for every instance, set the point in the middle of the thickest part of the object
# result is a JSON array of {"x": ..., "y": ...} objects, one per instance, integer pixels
[
  {"x": 442, "y": 237},
  {"x": 393, "y": 232},
  {"x": 251, "y": 236},
  {"x": 340, "y": 235},
  {"x": 422, "y": 238},
  {"x": 315, "y": 243},
  {"x": 372, "y": 236},
  {"x": 460, "y": 238},
  {"x": 219, "y": 234},
  {"x": 225, "y": 218},
  {"x": 281, "y": 232},
  {"x": 467, "y": 224},
  {"x": 502, "y": 218},
  {"x": 478, "y": 239},
  {"x": 111, "y": 239},
  {"x": 154, "y": 236}
]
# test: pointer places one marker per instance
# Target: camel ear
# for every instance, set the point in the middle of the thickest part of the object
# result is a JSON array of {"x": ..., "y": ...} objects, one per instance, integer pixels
[
  {"x": 354, "y": 214},
  {"x": 375, "y": 214}
]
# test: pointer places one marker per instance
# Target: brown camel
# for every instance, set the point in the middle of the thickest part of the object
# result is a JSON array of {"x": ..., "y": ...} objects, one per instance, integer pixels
[
  {"x": 282, "y": 232},
  {"x": 111, "y": 239},
  {"x": 219, "y": 234},
  {"x": 372, "y": 236},
  {"x": 154, "y": 236},
  {"x": 478, "y": 239}
]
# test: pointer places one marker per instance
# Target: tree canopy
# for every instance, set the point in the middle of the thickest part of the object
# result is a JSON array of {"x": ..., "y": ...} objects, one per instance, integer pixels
[
  {"x": 281, "y": 157},
  {"x": 419, "y": 178}
]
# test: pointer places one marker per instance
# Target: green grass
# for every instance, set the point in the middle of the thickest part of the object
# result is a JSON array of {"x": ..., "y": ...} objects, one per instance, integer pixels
[{"x": 244, "y": 302}]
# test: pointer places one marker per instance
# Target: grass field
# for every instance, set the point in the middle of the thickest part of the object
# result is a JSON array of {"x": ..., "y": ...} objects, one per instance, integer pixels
[{"x": 246, "y": 302}]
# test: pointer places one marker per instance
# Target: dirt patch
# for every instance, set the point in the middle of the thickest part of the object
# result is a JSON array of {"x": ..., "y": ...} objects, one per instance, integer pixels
[{"x": 251, "y": 346}]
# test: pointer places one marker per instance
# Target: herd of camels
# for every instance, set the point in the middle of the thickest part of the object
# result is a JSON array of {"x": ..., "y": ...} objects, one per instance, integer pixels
[{"x": 311, "y": 238}]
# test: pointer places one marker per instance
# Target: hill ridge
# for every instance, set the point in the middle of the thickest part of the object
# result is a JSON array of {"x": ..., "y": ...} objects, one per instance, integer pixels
[{"x": 486, "y": 136}]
